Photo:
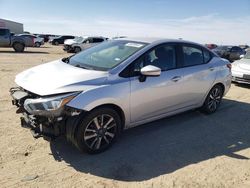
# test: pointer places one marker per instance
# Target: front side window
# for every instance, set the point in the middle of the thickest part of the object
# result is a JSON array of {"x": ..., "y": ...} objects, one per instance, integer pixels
[
  {"x": 106, "y": 56},
  {"x": 162, "y": 56},
  {"x": 192, "y": 56}
]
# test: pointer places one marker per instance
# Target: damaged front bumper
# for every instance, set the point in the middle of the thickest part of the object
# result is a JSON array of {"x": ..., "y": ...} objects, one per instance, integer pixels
[{"x": 48, "y": 124}]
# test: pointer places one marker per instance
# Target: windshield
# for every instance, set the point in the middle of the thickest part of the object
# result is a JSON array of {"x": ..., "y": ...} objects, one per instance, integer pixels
[
  {"x": 247, "y": 56},
  {"x": 106, "y": 55},
  {"x": 79, "y": 39}
]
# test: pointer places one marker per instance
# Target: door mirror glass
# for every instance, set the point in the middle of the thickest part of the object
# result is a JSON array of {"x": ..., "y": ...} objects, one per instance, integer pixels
[{"x": 151, "y": 70}]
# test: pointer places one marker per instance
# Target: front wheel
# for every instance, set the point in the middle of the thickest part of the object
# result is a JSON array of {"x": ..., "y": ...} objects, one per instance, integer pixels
[
  {"x": 18, "y": 47},
  {"x": 98, "y": 130},
  {"x": 213, "y": 100}
]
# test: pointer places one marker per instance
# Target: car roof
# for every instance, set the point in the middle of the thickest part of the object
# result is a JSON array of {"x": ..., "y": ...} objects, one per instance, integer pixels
[{"x": 156, "y": 40}]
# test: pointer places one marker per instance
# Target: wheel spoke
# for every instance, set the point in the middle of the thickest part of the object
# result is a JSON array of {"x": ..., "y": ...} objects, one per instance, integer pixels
[
  {"x": 90, "y": 130},
  {"x": 109, "y": 121},
  {"x": 211, "y": 96},
  {"x": 97, "y": 123},
  {"x": 102, "y": 116},
  {"x": 210, "y": 104},
  {"x": 111, "y": 125},
  {"x": 98, "y": 143},
  {"x": 214, "y": 105},
  {"x": 90, "y": 136},
  {"x": 105, "y": 138},
  {"x": 94, "y": 141},
  {"x": 109, "y": 134}
]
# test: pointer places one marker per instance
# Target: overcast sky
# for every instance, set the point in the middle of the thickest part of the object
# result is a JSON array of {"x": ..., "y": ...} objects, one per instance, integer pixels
[{"x": 211, "y": 21}]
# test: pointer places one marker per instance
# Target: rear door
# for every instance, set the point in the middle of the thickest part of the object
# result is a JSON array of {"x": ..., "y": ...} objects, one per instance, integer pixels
[
  {"x": 198, "y": 73},
  {"x": 4, "y": 38}
]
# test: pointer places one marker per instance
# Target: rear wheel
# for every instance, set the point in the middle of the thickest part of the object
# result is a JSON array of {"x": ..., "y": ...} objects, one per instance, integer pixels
[
  {"x": 98, "y": 130},
  {"x": 213, "y": 99},
  {"x": 18, "y": 47},
  {"x": 56, "y": 43}
]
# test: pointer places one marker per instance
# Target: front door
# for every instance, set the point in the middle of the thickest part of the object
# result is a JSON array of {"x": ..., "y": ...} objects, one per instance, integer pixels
[{"x": 156, "y": 95}]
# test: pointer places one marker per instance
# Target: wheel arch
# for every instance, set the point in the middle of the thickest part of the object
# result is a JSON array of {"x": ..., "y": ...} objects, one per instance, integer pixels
[
  {"x": 221, "y": 85},
  {"x": 117, "y": 108}
]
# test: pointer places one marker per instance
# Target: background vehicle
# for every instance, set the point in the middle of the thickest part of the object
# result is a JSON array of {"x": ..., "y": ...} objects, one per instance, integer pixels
[
  {"x": 119, "y": 84},
  {"x": 87, "y": 42},
  {"x": 230, "y": 53},
  {"x": 17, "y": 42},
  {"x": 61, "y": 39},
  {"x": 45, "y": 37},
  {"x": 69, "y": 42},
  {"x": 241, "y": 69},
  {"x": 38, "y": 41}
]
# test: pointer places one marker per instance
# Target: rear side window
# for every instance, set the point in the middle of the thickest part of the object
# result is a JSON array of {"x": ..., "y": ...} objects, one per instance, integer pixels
[{"x": 192, "y": 56}]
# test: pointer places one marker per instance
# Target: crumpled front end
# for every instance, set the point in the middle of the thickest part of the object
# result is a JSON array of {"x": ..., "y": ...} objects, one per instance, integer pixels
[{"x": 44, "y": 116}]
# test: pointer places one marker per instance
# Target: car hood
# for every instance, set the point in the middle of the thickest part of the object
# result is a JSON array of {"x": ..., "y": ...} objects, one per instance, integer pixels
[
  {"x": 70, "y": 41},
  {"x": 58, "y": 77},
  {"x": 243, "y": 64}
]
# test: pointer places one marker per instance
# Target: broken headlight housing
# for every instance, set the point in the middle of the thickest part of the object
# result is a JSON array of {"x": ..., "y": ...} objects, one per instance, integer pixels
[{"x": 49, "y": 106}]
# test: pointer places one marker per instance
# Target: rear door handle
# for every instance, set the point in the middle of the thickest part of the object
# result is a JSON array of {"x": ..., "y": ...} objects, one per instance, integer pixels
[{"x": 176, "y": 78}]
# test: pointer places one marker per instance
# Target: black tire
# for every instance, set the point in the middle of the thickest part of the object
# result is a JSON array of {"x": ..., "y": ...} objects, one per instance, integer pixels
[
  {"x": 213, "y": 100},
  {"x": 77, "y": 49},
  {"x": 97, "y": 130},
  {"x": 18, "y": 47},
  {"x": 37, "y": 44},
  {"x": 56, "y": 43}
]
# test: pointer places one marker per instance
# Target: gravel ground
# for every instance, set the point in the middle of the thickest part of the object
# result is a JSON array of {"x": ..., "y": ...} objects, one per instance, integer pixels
[{"x": 187, "y": 150}]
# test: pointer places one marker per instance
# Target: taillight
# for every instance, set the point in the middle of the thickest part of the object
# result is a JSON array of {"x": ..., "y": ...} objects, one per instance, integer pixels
[{"x": 229, "y": 65}]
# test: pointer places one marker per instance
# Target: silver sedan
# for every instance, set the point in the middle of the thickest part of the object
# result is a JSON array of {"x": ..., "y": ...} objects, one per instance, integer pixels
[{"x": 92, "y": 96}]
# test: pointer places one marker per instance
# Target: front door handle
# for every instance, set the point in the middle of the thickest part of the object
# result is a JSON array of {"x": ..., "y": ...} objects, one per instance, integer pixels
[{"x": 176, "y": 78}]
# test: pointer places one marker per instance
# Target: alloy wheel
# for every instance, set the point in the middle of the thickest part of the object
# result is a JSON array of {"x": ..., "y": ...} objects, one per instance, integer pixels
[
  {"x": 214, "y": 99},
  {"x": 100, "y": 132}
]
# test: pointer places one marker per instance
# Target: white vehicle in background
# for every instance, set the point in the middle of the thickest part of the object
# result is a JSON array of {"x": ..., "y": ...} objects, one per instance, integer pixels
[
  {"x": 69, "y": 42},
  {"x": 241, "y": 69},
  {"x": 86, "y": 42}
]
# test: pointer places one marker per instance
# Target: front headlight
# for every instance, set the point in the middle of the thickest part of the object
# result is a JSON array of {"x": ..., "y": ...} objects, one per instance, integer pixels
[{"x": 47, "y": 105}]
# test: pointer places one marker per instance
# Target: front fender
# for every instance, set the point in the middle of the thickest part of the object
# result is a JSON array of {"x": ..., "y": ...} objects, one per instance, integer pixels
[{"x": 117, "y": 94}]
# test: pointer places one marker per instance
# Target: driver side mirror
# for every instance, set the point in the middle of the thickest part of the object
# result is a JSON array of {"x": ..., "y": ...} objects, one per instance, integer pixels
[{"x": 149, "y": 70}]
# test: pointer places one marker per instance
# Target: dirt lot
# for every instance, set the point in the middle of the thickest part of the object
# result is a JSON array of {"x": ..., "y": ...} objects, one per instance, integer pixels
[{"x": 188, "y": 150}]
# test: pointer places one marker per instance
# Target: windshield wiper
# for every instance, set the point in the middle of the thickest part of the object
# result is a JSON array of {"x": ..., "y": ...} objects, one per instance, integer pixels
[
  {"x": 84, "y": 67},
  {"x": 66, "y": 59}
]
